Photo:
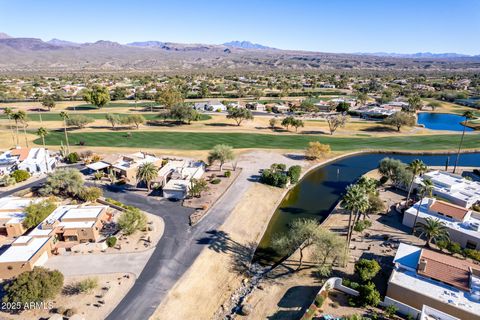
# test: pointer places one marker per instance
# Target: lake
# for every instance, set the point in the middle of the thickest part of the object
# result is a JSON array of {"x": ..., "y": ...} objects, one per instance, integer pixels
[{"x": 441, "y": 121}]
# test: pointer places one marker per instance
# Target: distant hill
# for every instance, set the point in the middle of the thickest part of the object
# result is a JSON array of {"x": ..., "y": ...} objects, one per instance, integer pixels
[
  {"x": 4, "y": 35},
  {"x": 35, "y": 55},
  {"x": 427, "y": 55},
  {"x": 245, "y": 45}
]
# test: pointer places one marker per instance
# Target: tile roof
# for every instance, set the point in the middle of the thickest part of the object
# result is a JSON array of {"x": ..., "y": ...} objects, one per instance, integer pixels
[
  {"x": 452, "y": 210},
  {"x": 444, "y": 268},
  {"x": 21, "y": 153}
]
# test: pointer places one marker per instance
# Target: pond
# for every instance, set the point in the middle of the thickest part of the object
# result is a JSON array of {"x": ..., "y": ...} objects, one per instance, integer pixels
[
  {"x": 319, "y": 191},
  {"x": 442, "y": 121}
]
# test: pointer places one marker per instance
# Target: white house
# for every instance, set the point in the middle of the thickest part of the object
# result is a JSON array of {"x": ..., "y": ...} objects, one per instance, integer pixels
[
  {"x": 33, "y": 160},
  {"x": 210, "y": 106},
  {"x": 175, "y": 177},
  {"x": 452, "y": 187},
  {"x": 463, "y": 225}
]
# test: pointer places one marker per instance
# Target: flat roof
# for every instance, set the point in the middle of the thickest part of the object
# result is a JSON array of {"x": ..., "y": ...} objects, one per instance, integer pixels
[
  {"x": 176, "y": 185},
  {"x": 77, "y": 224},
  {"x": 87, "y": 212},
  {"x": 407, "y": 255},
  {"x": 98, "y": 165},
  {"x": 23, "y": 252}
]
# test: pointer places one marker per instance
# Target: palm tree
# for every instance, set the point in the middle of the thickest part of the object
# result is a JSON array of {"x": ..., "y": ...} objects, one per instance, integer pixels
[
  {"x": 65, "y": 117},
  {"x": 42, "y": 132},
  {"x": 20, "y": 116},
  {"x": 355, "y": 200},
  {"x": 468, "y": 115},
  {"x": 146, "y": 173},
  {"x": 434, "y": 230},
  {"x": 417, "y": 167},
  {"x": 425, "y": 191},
  {"x": 8, "y": 112}
]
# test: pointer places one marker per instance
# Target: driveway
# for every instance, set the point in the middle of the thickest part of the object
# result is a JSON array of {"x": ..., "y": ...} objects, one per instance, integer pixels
[
  {"x": 178, "y": 248},
  {"x": 75, "y": 265}
]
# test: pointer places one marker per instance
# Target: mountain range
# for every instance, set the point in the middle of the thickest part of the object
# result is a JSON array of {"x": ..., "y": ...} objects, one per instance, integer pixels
[{"x": 36, "y": 55}]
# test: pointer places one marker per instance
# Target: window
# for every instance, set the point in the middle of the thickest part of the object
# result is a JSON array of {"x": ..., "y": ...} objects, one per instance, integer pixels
[{"x": 471, "y": 245}]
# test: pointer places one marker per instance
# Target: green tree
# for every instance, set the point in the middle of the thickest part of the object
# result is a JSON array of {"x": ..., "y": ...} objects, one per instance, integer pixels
[
  {"x": 118, "y": 93},
  {"x": 221, "y": 153},
  {"x": 114, "y": 119},
  {"x": 342, "y": 107},
  {"x": 414, "y": 103},
  {"x": 20, "y": 175},
  {"x": 136, "y": 119},
  {"x": 434, "y": 105},
  {"x": 63, "y": 182},
  {"x": 90, "y": 194},
  {"x": 9, "y": 113},
  {"x": 42, "y": 132},
  {"x": 146, "y": 173},
  {"x": 65, "y": 117},
  {"x": 34, "y": 286},
  {"x": 433, "y": 229},
  {"x": 169, "y": 96},
  {"x": 294, "y": 173},
  {"x": 48, "y": 102},
  {"x": 369, "y": 295},
  {"x": 287, "y": 122},
  {"x": 400, "y": 119},
  {"x": 37, "y": 212},
  {"x": 197, "y": 186},
  {"x": 79, "y": 121},
  {"x": 239, "y": 115},
  {"x": 416, "y": 167},
  {"x": 132, "y": 220},
  {"x": 21, "y": 117},
  {"x": 468, "y": 115},
  {"x": 183, "y": 113},
  {"x": 272, "y": 122},
  {"x": 362, "y": 97},
  {"x": 97, "y": 95},
  {"x": 425, "y": 190},
  {"x": 367, "y": 269},
  {"x": 297, "y": 123},
  {"x": 316, "y": 150}
]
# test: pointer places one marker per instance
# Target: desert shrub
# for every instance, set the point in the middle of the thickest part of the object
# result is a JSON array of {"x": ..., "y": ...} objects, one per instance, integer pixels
[
  {"x": 87, "y": 285},
  {"x": 367, "y": 269},
  {"x": 454, "y": 248},
  {"x": 111, "y": 241},
  {"x": 369, "y": 295},
  {"x": 20, "y": 175},
  {"x": 72, "y": 157},
  {"x": 65, "y": 182},
  {"x": 37, "y": 212},
  {"x": 361, "y": 225},
  {"x": 319, "y": 301},
  {"x": 215, "y": 181},
  {"x": 132, "y": 220},
  {"x": 70, "y": 312},
  {"x": 37, "y": 285},
  {"x": 390, "y": 311},
  {"x": 294, "y": 173},
  {"x": 90, "y": 194},
  {"x": 228, "y": 174},
  {"x": 472, "y": 254}
]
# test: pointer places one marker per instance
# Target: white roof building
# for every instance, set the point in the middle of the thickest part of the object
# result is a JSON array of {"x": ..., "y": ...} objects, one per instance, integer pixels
[
  {"x": 33, "y": 160},
  {"x": 452, "y": 187},
  {"x": 176, "y": 176}
]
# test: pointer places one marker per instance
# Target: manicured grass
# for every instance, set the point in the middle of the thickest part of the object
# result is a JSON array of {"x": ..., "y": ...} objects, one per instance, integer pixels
[
  {"x": 114, "y": 105},
  {"x": 205, "y": 140},
  {"x": 56, "y": 116}
]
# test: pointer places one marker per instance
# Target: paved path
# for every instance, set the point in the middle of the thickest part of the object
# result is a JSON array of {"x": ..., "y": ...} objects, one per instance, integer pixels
[
  {"x": 86, "y": 264},
  {"x": 178, "y": 248}
]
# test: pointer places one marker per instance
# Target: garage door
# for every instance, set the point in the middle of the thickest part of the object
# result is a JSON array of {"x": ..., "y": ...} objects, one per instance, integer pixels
[{"x": 41, "y": 261}]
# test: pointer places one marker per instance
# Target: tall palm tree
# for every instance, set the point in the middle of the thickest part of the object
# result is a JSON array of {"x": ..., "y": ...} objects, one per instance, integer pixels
[
  {"x": 356, "y": 201},
  {"x": 417, "y": 167},
  {"x": 146, "y": 173},
  {"x": 468, "y": 115},
  {"x": 434, "y": 230},
  {"x": 42, "y": 132},
  {"x": 425, "y": 191},
  {"x": 65, "y": 117},
  {"x": 8, "y": 112},
  {"x": 20, "y": 116}
]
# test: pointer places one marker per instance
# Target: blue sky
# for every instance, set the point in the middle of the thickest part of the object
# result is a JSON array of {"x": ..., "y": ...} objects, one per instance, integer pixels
[{"x": 403, "y": 26}]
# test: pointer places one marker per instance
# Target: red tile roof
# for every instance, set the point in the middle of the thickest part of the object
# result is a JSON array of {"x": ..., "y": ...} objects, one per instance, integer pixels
[
  {"x": 457, "y": 212},
  {"x": 444, "y": 268},
  {"x": 21, "y": 153}
]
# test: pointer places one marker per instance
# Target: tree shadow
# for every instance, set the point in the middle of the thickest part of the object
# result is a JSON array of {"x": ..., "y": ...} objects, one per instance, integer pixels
[
  {"x": 379, "y": 128},
  {"x": 241, "y": 254},
  {"x": 285, "y": 315},
  {"x": 82, "y": 107},
  {"x": 220, "y": 124},
  {"x": 298, "y": 157},
  {"x": 314, "y": 132}
]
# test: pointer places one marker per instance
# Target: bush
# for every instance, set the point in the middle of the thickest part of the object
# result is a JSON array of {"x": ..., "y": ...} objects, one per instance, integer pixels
[
  {"x": 66, "y": 182},
  {"x": 390, "y": 311},
  {"x": 111, "y": 241},
  {"x": 215, "y": 181},
  {"x": 87, "y": 285},
  {"x": 294, "y": 173},
  {"x": 369, "y": 295},
  {"x": 20, "y": 175},
  {"x": 472, "y": 254},
  {"x": 132, "y": 220},
  {"x": 361, "y": 225},
  {"x": 319, "y": 301},
  {"x": 70, "y": 312},
  {"x": 367, "y": 269},
  {"x": 454, "y": 248},
  {"x": 228, "y": 174},
  {"x": 316, "y": 150},
  {"x": 37, "y": 212},
  {"x": 72, "y": 158},
  {"x": 37, "y": 285},
  {"x": 90, "y": 194}
]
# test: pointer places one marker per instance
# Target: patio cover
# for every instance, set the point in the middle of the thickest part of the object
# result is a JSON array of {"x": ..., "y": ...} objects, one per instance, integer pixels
[{"x": 98, "y": 165}]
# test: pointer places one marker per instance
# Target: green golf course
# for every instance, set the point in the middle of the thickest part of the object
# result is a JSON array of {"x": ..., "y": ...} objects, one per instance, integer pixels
[
  {"x": 56, "y": 116},
  {"x": 205, "y": 141}
]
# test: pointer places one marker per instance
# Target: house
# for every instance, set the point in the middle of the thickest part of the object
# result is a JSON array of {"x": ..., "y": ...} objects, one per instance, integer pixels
[
  {"x": 256, "y": 106},
  {"x": 12, "y": 214},
  {"x": 425, "y": 277},
  {"x": 74, "y": 224},
  {"x": 125, "y": 166},
  {"x": 463, "y": 225},
  {"x": 324, "y": 106},
  {"x": 175, "y": 177},
  {"x": 375, "y": 112},
  {"x": 33, "y": 160},
  {"x": 25, "y": 253},
  {"x": 210, "y": 106},
  {"x": 452, "y": 187}
]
